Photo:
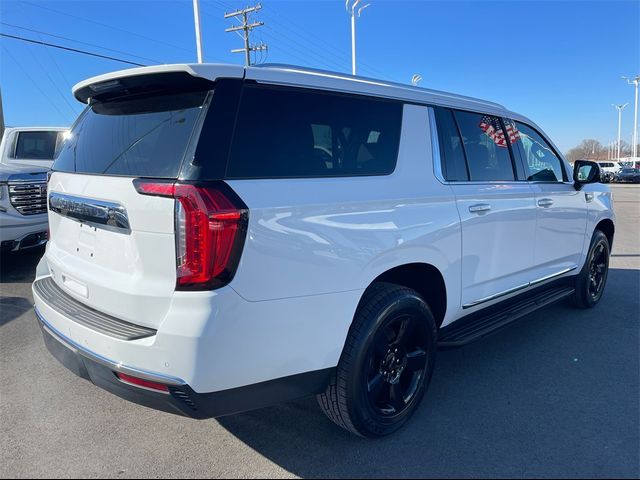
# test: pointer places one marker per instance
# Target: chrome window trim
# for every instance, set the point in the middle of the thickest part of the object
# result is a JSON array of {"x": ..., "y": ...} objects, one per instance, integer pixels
[
  {"x": 518, "y": 288},
  {"x": 97, "y": 213},
  {"x": 111, "y": 364}
]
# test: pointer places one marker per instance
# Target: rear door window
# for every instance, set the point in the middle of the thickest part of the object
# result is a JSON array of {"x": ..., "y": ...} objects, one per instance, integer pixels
[
  {"x": 145, "y": 136},
  {"x": 451, "y": 149},
  {"x": 38, "y": 145},
  {"x": 284, "y": 133},
  {"x": 486, "y": 147}
]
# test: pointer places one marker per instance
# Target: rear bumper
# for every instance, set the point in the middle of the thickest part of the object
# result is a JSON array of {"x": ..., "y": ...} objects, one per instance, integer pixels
[{"x": 181, "y": 399}]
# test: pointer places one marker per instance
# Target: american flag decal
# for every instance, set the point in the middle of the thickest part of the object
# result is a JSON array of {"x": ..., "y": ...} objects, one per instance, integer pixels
[
  {"x": 512, "y": 131},
  {"x": 493, "y": 129}
]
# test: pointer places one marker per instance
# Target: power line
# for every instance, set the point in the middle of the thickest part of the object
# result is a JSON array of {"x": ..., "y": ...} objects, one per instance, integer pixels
[
  {"x": 336, "y": 60},
  {"x": 106, "y": 26},
  {"x": 46, "y": 70},
  {"x": 317, "y": 42},
  {"x": 35, "y": 84},
  {"x": 27, "y": 14},
  {"x": 306, "y": 56},
  {"x": 246, "y": 28},
  {"x": 84, "y": 52},
  {"x": 53, "y": 82},
  {"x": 289, "y": 46},
  {"x": 118, "y": 29},
  {"x": 79, "y": 41}
]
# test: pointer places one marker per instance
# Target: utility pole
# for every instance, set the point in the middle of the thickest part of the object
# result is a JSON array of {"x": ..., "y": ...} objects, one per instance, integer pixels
[
  {"x": 1, "y": 117},
  {"x": 246, "y": 28},
  {"x": 353, "y": 11},
  {"x": 196, "y": 19},
  {"x": 620, "y": 108},
  {"x": 634, "y": 81}
]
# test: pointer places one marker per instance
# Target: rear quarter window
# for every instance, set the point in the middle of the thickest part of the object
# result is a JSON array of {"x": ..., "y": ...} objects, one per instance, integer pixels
[{"x": 297, "y": 133}]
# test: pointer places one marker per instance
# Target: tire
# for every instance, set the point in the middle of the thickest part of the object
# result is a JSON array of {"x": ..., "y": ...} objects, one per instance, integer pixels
[
  {"x": 592, "y": 279},
  {"x": 386, "y": 364}
]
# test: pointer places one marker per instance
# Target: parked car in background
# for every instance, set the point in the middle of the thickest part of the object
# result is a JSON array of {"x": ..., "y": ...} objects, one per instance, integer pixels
[
  {"x": 23, "y": 207},
  {"x": 608, "y": 170},
  {"x": 35, "y": 146},
  {"x": 628, "y": 175},
  {"x": 226, "y": 238}
]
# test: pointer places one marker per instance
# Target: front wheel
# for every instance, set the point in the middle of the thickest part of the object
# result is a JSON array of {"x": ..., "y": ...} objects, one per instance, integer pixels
[
  {"x": 592, "y": 279},
  {"x": 386, "y": 364}
]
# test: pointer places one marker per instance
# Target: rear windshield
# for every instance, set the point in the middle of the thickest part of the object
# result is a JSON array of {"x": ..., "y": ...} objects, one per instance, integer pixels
[
  {"x": 38, "y": 145},
  {"x": 144, "y": 137}
]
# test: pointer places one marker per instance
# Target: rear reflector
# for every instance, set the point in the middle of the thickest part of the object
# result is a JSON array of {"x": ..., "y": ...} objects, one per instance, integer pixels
[
  {"x": 210, "y": 229},
  {"x": 139, "y": 382}
]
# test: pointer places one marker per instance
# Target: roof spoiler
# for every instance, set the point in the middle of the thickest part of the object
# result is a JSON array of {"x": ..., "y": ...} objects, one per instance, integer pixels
[{"x": 153, "y": 80}]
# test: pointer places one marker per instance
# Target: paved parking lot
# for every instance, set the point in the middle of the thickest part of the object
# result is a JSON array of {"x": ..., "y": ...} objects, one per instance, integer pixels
[{"x": 555, "y": 395}]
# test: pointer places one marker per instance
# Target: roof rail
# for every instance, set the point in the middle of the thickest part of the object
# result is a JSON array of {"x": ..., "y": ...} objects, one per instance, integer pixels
[{"x": 360, "y": 78}]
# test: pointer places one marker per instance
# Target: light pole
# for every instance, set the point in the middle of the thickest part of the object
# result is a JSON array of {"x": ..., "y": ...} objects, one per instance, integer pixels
[
  {"x": 620, "y": 108},
  {"x": 417, "y": 78},
  {"x": 634, "y": 81},
  {"x": 196, "y": 19},
  {"x": 353, "y": 11}
]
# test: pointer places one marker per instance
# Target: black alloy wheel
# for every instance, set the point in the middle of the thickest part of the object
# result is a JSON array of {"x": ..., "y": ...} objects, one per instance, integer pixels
[
  {"x": 591, "y": 281},
  {"x": 598, "y": 267},
  {"x": 386, "y": 364},
  {"x": 397, "y": 364}
]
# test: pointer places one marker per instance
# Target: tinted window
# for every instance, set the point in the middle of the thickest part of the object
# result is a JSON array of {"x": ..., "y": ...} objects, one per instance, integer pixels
[
  {"x": 42, "y": 145},
  {"x": 137, "y": 137},
  {"x": 541, "y": 162},
  {"x": 453, "y": 160},
  {"x": 296, "y": 133},
  {"x": 485, "y": 145}
]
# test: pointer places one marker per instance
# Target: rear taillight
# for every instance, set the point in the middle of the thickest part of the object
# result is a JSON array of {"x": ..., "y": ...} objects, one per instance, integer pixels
[{"x": 210, "y": 229}]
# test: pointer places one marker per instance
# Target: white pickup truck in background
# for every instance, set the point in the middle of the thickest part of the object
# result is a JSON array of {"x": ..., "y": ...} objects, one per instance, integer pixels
[
  {"x": 26, "y": 155},
  {"x": 36, "y": 146}
]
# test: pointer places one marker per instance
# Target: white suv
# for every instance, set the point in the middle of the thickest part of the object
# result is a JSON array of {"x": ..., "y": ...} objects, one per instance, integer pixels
[{"x": 225, "y": 238}]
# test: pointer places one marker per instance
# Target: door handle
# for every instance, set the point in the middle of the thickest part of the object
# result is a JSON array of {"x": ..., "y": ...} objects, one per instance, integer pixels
[
  {"x": 545, "y": 202},
  {"x": 480, "y": 208}
]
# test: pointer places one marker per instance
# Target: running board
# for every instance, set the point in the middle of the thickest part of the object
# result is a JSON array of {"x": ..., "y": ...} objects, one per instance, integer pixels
[{"x": 481, "y": 324}]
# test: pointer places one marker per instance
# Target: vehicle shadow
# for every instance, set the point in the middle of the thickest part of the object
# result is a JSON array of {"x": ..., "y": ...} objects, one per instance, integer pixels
[
  {"x": 554, "y": 395},
  {"x": 13, "y": 307},
  {"x": 20, "y": 267}
]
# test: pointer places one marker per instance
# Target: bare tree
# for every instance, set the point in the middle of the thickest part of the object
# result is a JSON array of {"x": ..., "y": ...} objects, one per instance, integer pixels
[{"x": 589, "y": 149}]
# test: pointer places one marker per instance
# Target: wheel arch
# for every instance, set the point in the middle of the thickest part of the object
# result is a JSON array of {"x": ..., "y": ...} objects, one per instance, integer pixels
[
  {"x": 424, "y": 278},
  {"x": 607, "y": 227}
]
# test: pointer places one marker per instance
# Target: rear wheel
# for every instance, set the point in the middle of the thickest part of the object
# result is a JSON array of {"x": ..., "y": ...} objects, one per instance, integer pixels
[
  {"x": 592, "y": 279},
  {"x": 386, "y": 364}
]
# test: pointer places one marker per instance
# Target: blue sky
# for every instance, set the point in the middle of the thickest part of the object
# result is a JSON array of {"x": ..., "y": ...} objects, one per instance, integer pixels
[{"x": 558, "y": 62}]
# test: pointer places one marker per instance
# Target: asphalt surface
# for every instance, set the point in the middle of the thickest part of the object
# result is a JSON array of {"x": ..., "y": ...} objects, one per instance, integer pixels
[{"x": 554, "y": 395}]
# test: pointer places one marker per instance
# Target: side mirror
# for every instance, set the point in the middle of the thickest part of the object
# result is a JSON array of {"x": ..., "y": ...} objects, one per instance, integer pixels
[{"x": 585, "y": 172}]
